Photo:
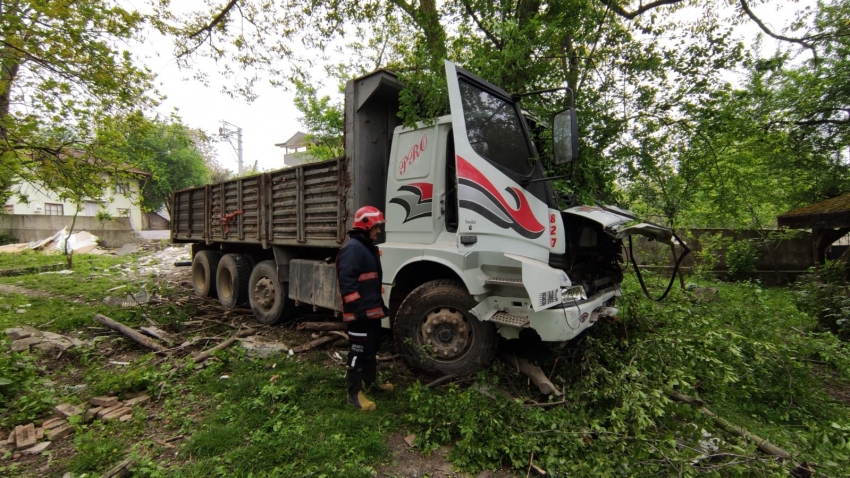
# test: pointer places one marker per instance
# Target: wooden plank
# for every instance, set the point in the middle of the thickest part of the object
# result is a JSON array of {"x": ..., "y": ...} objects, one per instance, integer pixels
[{"x": 300, "y": 206}]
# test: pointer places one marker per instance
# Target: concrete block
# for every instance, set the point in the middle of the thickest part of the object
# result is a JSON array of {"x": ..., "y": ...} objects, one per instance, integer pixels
[
  {"x": 37, "y": 448},
  {"x": 104, "y": 401},
  {"x": 60, "y": 432},
  {"x": 24, "y": 436},
  {"x": 137, "y": 401},
  {"x": 125, "y": 418},
  {"x": 104, "y": 410},
  {"x": 39, "y": 433},
  {"x": 22, "y": 332},
  {"x": 53, "y": 423},
  {"x": 117, "y": 413},
  {"x": 22, "y": 345},
  {"x": 11, "y": 439},
  {"x": 67, "y": 410},
  {"x": 91, "y": 414}
]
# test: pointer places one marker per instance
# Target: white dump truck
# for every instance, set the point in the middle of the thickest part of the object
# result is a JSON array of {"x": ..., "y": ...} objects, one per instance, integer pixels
[{"x": 475, "y": 245}]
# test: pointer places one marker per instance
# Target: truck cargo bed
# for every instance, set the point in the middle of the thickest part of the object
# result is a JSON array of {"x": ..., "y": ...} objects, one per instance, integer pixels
[{"x": 301, "y": 205}]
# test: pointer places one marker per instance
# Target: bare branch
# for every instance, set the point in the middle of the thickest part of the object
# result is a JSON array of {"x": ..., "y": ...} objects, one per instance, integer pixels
[
  {"x": 766, "y": 30},
  {"x": 631, "y": 15}
]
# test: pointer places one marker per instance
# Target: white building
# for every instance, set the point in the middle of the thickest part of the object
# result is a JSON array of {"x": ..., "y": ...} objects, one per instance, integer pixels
[
  {"x": 119, "y": 200},
  {"x": 295, "y": 149}
]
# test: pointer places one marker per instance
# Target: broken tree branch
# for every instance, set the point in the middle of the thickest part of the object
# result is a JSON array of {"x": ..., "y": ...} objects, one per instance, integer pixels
[
  {"x": 200, "y": 357},
  {"x": 441, "y": 380},
  {"x": 321, "y": 326},
  {"x": 762, "y": 443},
  {"x": 129, "y": 333},
  {"x": 314, "y": 343},
  {"x": 388, "y": 358},
  {"x": 534, "y": 373},
  {"x": 160, "y": 335}
]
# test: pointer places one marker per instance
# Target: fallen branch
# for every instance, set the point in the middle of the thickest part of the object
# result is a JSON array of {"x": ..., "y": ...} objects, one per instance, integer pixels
[
  {"x": 388, "y": 358},
  {"x": 544, "y": 405},
  {"x": 441, "y": 380},
  {"x": 314, "y": 343},
  {"x": 337, "y": 333},
  {"x": 130, "y": 333},
  {"x": 200, "y": 357},
  {"x": 762, "y": 443},
  {"x": 120, "y": 470},
  {"x": 534, "y": 373},
  {"x": 160, "y": 335},
  {"x": 321, "y": 326}
]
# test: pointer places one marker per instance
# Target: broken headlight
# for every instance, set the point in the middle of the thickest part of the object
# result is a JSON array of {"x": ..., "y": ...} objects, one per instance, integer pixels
[{"x": 573, "y": 294}]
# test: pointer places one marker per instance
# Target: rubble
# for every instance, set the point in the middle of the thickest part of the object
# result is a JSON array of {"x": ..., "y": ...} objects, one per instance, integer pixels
[{"x": 25, "y": 337}]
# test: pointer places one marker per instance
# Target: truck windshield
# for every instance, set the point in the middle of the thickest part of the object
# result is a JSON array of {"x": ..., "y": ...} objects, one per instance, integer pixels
[{"x": 494, "y": 129}]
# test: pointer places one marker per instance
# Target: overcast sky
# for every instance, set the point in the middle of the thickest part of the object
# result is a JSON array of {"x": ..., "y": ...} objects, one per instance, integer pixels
[{"x": 272, "y": 117}]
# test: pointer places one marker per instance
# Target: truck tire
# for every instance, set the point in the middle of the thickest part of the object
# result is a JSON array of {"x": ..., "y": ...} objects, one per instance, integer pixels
[
  {"x": 268, "y": 296},
  {"x": 435, "y": 332},
  {"x": 231, "y": 280},
  {"x": 204, "y": 266}
]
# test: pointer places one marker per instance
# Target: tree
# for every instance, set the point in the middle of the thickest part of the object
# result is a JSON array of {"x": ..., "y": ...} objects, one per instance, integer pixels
[
  {"x": 166, "y": 149},
  {"x": 61, "y": 72},
  {"x": 324, "y": 119}
]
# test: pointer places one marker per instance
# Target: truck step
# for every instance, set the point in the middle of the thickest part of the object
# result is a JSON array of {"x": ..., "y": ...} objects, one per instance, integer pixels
[
  {"x": 509, "y": 319},
  {"x": 503, "y": 281}
]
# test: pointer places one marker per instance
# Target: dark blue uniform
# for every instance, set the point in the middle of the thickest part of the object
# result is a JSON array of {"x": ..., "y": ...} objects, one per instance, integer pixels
[{"x": 359, "y": 273}]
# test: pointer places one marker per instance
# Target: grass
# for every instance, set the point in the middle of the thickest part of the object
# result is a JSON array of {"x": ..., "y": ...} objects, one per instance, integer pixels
[{"x": 753, "y": 357}]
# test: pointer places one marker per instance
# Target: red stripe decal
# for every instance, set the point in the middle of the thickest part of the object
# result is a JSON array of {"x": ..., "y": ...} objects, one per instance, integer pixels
[{"x": 523, "y": 216}]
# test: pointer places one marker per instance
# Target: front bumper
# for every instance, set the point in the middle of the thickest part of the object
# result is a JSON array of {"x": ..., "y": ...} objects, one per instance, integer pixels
[{"x": 566, "y": 321}]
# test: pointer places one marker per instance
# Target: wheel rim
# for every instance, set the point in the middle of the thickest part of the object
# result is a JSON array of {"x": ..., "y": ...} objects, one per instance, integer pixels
[
  {"x": 447, "y": 333},
  {"x": 264, "y": 293},
  {"x": 199, "y": 276},
  {"x": 225, "y": 284}
]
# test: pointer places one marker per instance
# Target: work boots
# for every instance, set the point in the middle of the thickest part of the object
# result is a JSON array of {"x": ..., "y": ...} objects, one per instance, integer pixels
[
  {"x": 378, "y": 387},
  {"x": 360, "y": 401}
]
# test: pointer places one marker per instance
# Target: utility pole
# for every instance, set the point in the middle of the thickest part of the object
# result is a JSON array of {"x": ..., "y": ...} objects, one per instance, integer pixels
[{"x": 226, "y": 131}]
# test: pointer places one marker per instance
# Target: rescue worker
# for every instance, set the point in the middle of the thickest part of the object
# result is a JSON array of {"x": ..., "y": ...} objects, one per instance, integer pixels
[{"x": 358, "y": 266}]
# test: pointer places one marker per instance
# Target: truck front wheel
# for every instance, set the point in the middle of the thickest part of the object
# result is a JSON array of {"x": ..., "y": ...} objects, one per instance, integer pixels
[
  {"x": 267, "y": 295},
  {"x": 231, "y": 279},
  {"x": 435, "y": 332},
  {"x": 204, "y": 266}
]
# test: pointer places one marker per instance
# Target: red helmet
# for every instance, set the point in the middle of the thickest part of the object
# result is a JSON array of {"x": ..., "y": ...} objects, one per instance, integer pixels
[{"x": 367, "y": 217}]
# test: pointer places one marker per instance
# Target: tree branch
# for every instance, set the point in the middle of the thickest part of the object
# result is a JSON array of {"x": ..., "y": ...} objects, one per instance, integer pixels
[
  {"x": 631, "y": 15},
  {"x": 799, "y": 41},
  {"x": 215, "y": 21},
  {"x": 487, "y": 33}
]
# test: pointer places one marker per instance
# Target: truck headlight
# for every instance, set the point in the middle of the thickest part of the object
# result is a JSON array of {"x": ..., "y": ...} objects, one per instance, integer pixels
[{"x": 573, "y": 294}]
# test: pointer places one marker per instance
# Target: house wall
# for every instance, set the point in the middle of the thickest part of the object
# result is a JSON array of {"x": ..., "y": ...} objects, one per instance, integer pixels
[
  {"x": 112, "y": 201},
  {"x": 29, "y": 228}
]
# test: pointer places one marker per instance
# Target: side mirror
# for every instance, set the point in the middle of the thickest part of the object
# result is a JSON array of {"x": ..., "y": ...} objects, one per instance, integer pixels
[{"x": 565, "y": 136}]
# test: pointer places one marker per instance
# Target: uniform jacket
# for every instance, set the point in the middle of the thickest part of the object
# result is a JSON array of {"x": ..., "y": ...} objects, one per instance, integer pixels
[{"x": 358, "y": 267}]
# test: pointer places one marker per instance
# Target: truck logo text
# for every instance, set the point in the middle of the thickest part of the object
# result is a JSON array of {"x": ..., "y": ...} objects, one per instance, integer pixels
[{"x": 412, "y": 155}]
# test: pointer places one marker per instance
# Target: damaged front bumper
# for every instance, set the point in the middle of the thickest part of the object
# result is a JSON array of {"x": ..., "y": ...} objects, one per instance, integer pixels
[{"x": 556, "y": 324}]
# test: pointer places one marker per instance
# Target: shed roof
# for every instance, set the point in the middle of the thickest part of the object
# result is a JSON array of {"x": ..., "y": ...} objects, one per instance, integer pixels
[{"x": 832, "y": 213}]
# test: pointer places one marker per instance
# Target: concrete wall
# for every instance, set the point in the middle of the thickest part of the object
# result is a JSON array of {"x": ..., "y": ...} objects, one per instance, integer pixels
[
  {"x": 29, "y": 228},
  {"x": 115, "y": 203},
  {"x": 781, "y": 260}
]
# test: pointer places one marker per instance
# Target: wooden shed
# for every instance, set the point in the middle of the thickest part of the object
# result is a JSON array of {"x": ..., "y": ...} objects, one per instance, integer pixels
[{"x": 829, "y": 220}]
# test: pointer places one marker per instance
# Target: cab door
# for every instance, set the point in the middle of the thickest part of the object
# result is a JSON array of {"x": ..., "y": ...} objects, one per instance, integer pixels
[{"x": 494, "y": 154}]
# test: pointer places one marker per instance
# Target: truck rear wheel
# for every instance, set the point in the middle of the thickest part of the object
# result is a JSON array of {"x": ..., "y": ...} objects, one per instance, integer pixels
[
  {"x": 267, "y": 295},
  {"x": 231, "y": 280},
  {"x": 204, "y": 266},
  {"x": 435, "y": 332}
]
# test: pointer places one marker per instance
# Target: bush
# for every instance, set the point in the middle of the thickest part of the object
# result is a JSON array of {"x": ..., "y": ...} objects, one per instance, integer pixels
[
  {"x": 741, "y": 259},
  {"x": 6, "y": 239},
  {"x": 827, "y": 296}
]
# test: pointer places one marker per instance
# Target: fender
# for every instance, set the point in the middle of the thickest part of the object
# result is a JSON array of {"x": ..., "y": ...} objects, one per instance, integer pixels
[{"x": 389, "y": 281}]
